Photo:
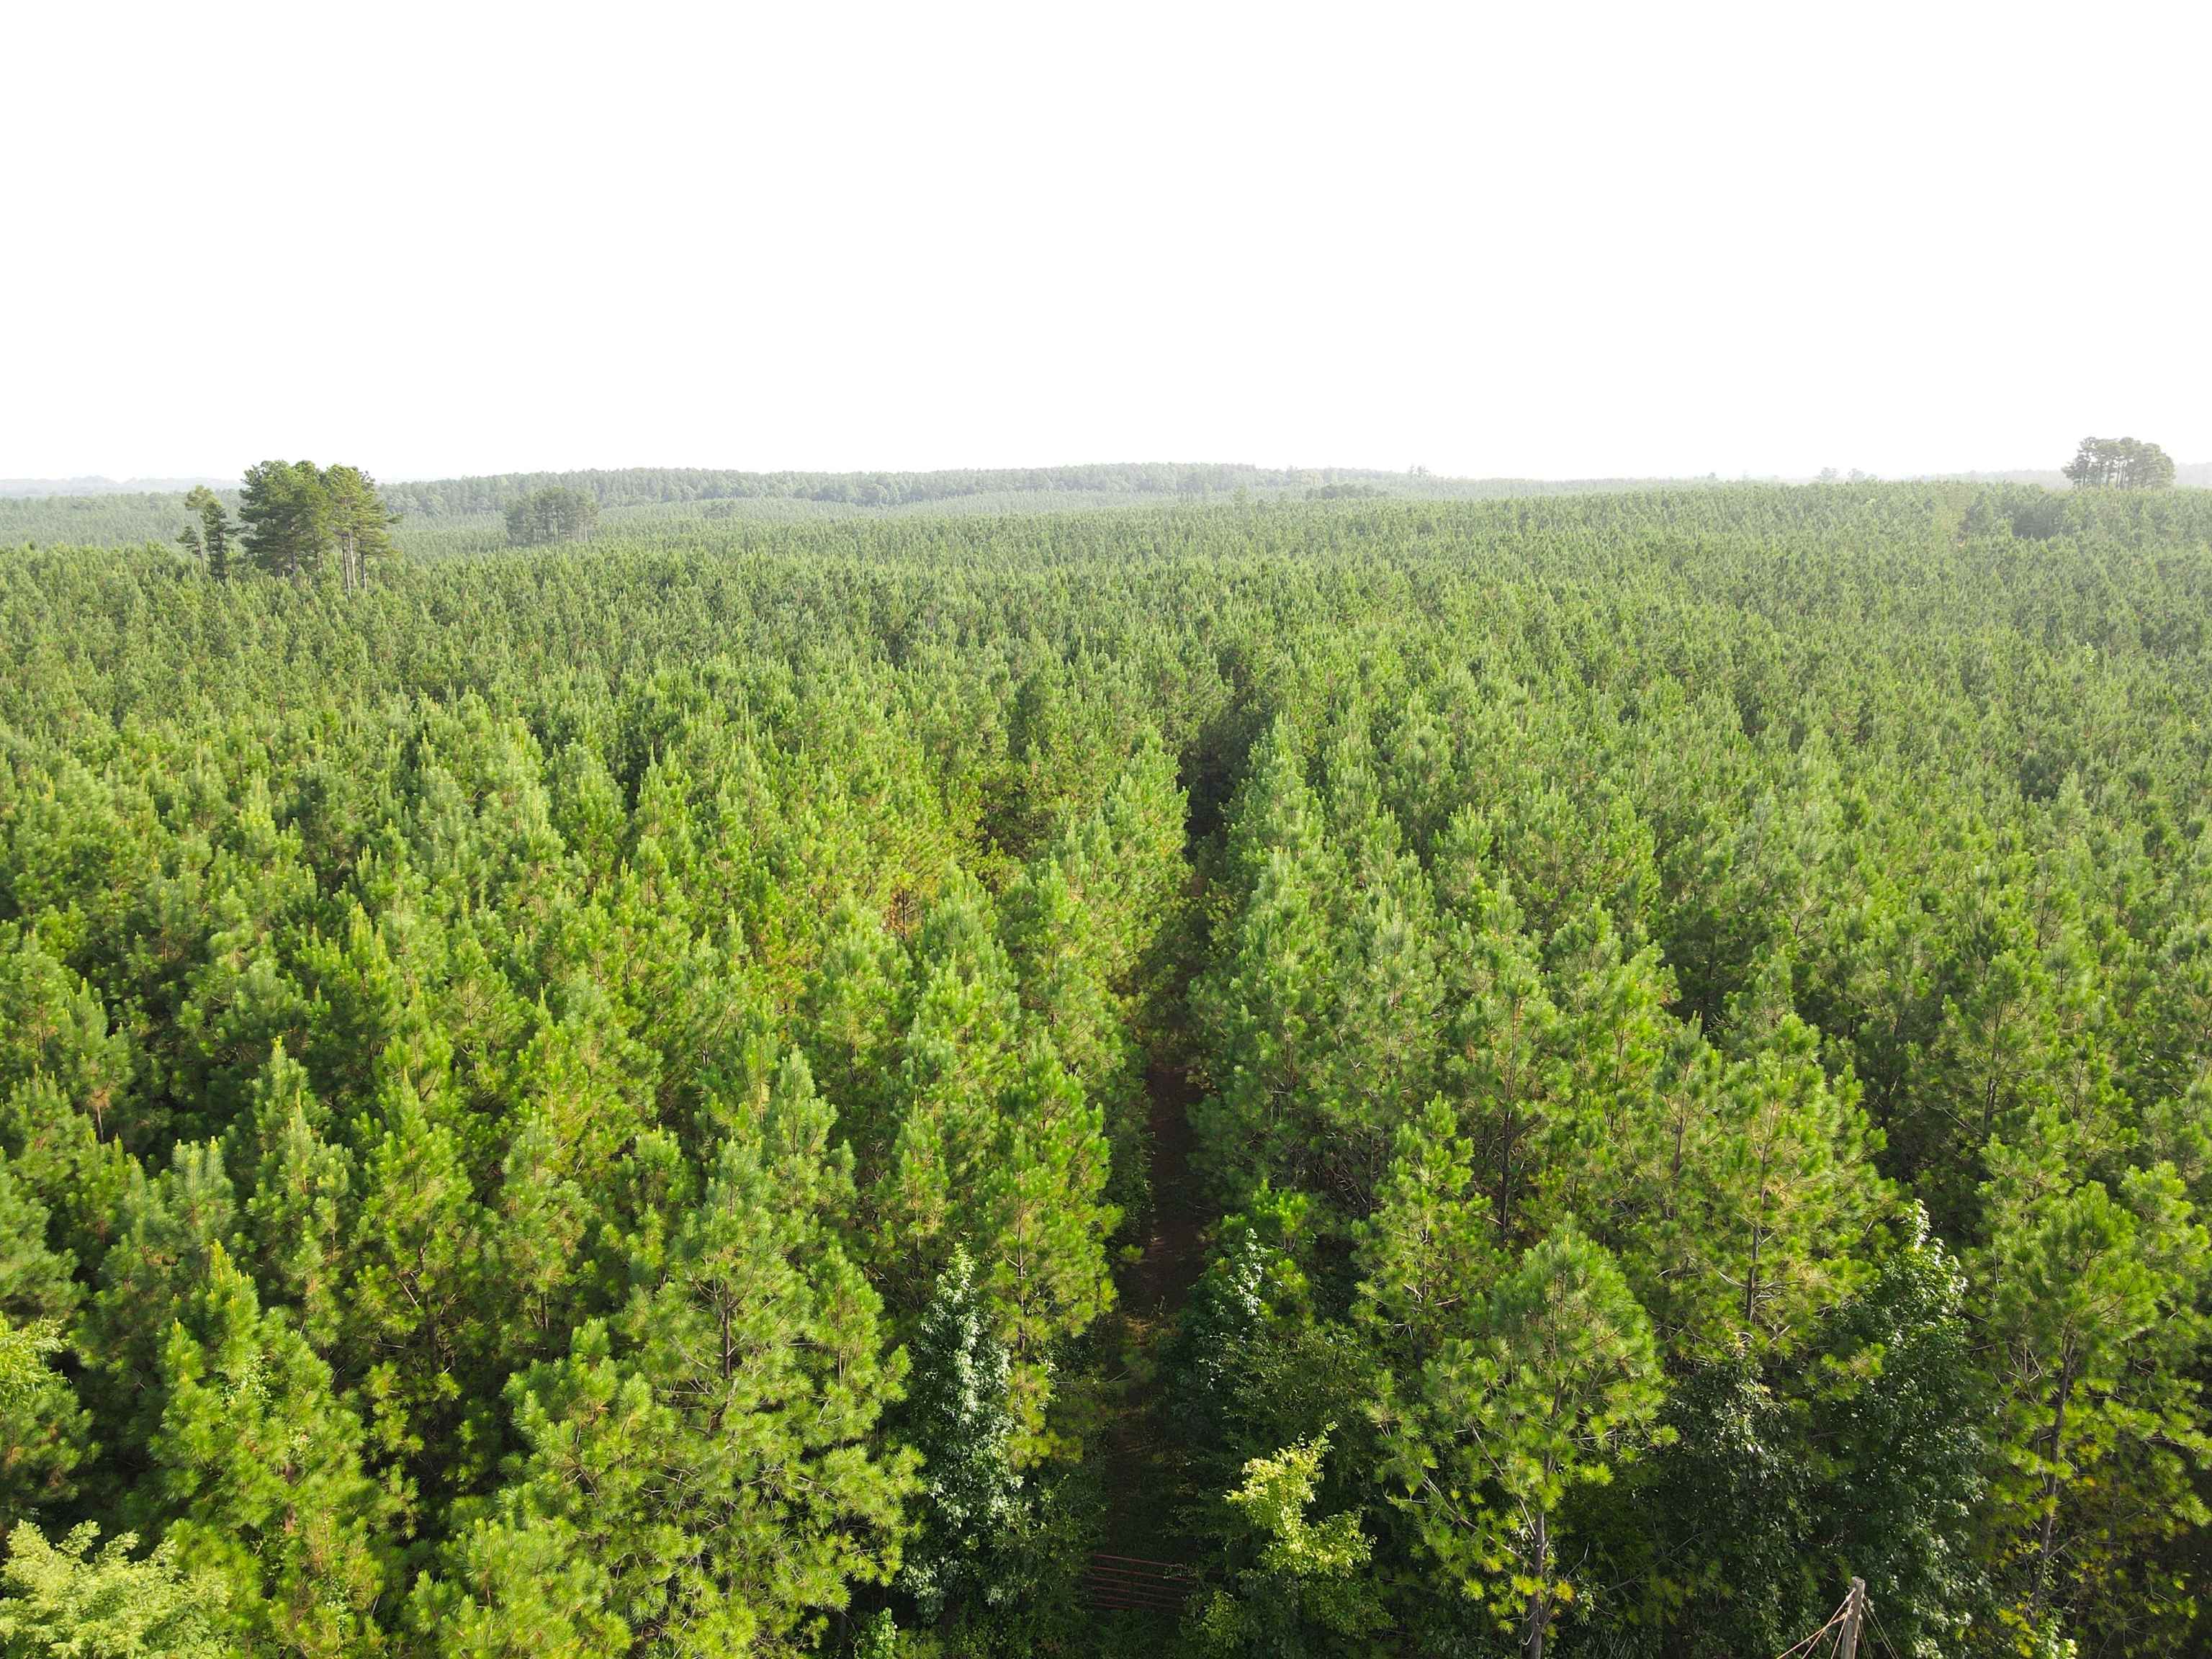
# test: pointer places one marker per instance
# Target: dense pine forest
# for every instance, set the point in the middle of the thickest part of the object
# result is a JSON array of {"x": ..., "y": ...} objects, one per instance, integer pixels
[{"x": 1232, "y": 1075}]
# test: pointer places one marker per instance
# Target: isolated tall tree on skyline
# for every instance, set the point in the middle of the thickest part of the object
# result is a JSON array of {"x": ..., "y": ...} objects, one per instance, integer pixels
[
  {"x": 284, "y": 509},
  {"x": 297, "y": 514},
  {"x": 2120, "y": 464},
  {"x": 209, "y": 540},
  {"x": 360, "y": 523},
  {"x": 554, "y": 515}
]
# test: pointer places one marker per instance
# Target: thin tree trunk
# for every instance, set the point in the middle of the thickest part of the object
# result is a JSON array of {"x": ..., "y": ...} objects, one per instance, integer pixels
[
  {"x": 1540, "y": 1604},
  {"x": 2051, "y": 1493}
]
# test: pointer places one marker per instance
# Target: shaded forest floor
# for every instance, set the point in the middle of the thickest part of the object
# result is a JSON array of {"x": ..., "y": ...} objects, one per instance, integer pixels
[
  {"x": 1174, "y": 1246},
  {"x": 1140, "y": 1490}
]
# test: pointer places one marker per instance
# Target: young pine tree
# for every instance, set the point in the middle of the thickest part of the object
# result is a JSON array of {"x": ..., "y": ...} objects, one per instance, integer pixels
[
  {"x": 44, "y": 1435},
  {"x": 2095, "y": 1306},
  {"x": 1899, "y": 1415},
  {"x": 299, "y": 1207},
  {"x": 257, "y": 1471},
  {"x": 715, "y": 1485},
  {"x": 1429, "y": 1253},
  {"x": 1506, "y": 1074},
  {"x": 1489, "y": 1438},
  {"x": 173, "y": 1225}
]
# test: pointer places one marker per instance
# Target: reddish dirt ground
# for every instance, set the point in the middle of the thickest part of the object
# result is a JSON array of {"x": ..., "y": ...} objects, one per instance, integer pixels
[{"x": 1173, "y": 1247}]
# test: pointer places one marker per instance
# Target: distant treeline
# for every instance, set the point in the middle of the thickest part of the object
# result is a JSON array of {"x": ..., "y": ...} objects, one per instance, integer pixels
[
  {"x": 127, "y": 519},
  {"x": 642, "y": 486},
  {"x": 648, "y": 486},
  {"x": 105, "y": 486},
  {"x": 2187, "y": 476},
  {"x": 123, "y": 520}
]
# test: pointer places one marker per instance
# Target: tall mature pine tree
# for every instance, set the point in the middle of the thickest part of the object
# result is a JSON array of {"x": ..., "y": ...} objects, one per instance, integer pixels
[
  {"x": 359, "y": 523},
  {"x": 285, "y": 509},
  {"x": 210, "y": 540}
]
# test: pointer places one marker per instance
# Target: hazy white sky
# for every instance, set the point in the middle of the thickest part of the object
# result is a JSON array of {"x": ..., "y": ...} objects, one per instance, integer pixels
[{"x": 1562, "y": 241}]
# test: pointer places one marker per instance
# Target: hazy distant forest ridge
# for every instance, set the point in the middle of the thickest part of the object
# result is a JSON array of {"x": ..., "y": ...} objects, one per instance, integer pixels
[
  {"x": 467, "y": 515},
  {"x": 1158, "y": 1061}
]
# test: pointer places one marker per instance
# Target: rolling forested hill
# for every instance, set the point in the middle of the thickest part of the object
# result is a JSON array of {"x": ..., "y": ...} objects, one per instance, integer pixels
[{"x": 1265, "y": 1076}]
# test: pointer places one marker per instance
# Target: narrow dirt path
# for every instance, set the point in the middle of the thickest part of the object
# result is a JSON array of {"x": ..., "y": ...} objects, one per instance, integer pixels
[
  {"x": 1174, "y": 1250},
  {"x": 1140, "y": 1489}
]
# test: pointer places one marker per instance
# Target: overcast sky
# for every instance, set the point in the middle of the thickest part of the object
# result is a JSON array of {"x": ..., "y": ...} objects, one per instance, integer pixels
[{"x": 1548, "y": 240}]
